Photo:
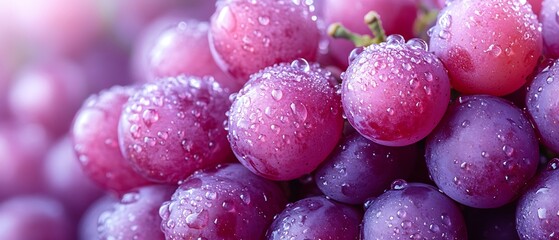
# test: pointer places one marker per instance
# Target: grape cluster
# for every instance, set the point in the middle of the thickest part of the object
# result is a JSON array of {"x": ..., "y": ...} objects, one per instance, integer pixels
[{"x": 279, "y": 119}]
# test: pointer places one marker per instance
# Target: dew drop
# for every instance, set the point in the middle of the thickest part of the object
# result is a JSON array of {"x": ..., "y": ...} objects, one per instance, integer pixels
[
  {"x": 277, "y": 94},
  {"x": 401, "y": 213},
  {"x": 465, "y": 123},
  {"x": 301, "y": 64},
  {"x": 494, "y": 50},
  {"x": 150, "y": 116},
  {"x": 299, "y": 110},
  {"x": 484, "y": 154},
  {"x": 226, "y": 19},
  {"x": 394, "y": 39},
  {"x": 428, "y": 76},
  {"x": 390, "y": 111},
  {"x": 418, "y": 43},
  {"x": 542, "y": 213},
  {"x": 130, "y": 197},
  {"x": 508, "y": 150},
  {"x": 553, "y": 164},
  {"x": 445, "y": 219},
  {"x": 398, "y": 184},
  {"x": 549, "y": 80},
  {"x": 354, "y": 54},
  {"x": 198, "y": 220},
  {"x": 263, "y": 20},
  {"x": 434, "y": 228},
  {"x": 406, "y": 224},
  {"x": 245, "y": 198},
  {"x": 445, "y": 21},
  {"x": 211, "y": 195}
]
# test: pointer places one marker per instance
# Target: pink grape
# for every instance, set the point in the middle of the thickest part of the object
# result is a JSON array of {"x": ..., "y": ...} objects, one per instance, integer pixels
[
  {"x": 64, "y": 178},
  {"x": 95, "y": 140},
  {"x": 87, "y": 229},
  {"x": 48, "y": 93},
  {"x": 246, "y": 36},
  {"x": 228, "y": 202},
  {"x": 395, "y": 93},
  {"x": 307, "y": 218},
  {"x": 136, "y": 215},
  {"x": 22, "y": 148},
  {"x": 177, "y": 45},
  {"x": 173, "y": 127},
  {"x": 34, "y": 217},
  {"x": 550, "y": 27},
  {"x": 485, "y": 54},
  {"x": 397, "y": 18},
  {"x": 285, "y": 120}
]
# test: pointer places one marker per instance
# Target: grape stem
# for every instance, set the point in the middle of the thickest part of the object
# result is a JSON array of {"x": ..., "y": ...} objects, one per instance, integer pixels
[{"x": 372, "y": 19}]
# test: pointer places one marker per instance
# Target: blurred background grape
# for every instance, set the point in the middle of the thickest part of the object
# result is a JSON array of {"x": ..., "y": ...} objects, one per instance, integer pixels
[{"x": 53, "y": 55}]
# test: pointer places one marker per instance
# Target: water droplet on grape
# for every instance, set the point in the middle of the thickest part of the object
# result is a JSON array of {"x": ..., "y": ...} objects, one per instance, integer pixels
[
  {"x": 398, "y": 184},
  {"x": 394, "y": 39},
  {"x": 354, "y": 54},
  {"x": 197, "y": 220},
  {"x": 299, "y": 110},
  {"x": 553, "y": 164},
  {"x": 434, "y": 228},
  {"x": 277, "y": 94},
  {"x": 549, "y": 80},
  {"x": 245, "y": 198},
  {"x": 508, "y": 150},
  {"x": 401, "y": 213},
  {"x": 226, "y": 19},
  {"x": 445, "y": 21},
  {"x": 494, "y": 50},
  {"x": 150, "y": 116},
  {"x": 418, "y": 43},
  {"x": 130, "y": 197},
  {"x": 445, "y": 219},
  {"x": 542, "y": 213},
  {"x": 301, "y": 64},
  {"x": 263, "y": 20}
]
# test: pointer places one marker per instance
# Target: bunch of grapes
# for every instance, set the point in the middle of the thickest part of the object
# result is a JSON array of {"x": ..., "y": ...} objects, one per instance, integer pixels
[{"x": 279, "y": 119}]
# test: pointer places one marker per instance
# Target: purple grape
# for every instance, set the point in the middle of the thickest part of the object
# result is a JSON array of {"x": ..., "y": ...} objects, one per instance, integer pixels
[
  {"x": 173, "y": 127},
  {"x": 483, "y": 152},
  {"x": 136, "y": 215},
  {"x": 64, "y": 179},
  {"x": 537, "y": 213},
  {"x": 307, "y": 218},
  {"x": 95, "y": 139},
  {"x": 542, "y": 105},
  {"x": 228, "y": 202},
  {"x": 88, "y": 223},
  {"x": 177, "y": 45},
  {"x": 247, "y": 36},
  {"x": 33, "y": 218},
  {"x": 286, "y": 120},
  {"x": 550, "y": 27},
  {"x": 397, "y": 18},
  {"x": 49, "y": 94},
  {"x": 413, "y": 211},
  {"x": 483, "y": 53},
  {"x": 490, "y": 224},
  {"x": 395, "y": 93},
  {"x": 359, "y": 169}
]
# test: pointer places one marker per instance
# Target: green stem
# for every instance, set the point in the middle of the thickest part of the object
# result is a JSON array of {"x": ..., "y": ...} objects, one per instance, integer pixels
[
  {"x": 372, "y": 19},
  {"x": 425, "y": 19}
]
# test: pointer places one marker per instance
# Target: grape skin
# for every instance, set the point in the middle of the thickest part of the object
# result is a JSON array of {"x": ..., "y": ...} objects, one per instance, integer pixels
[
  {"x": 395, "y": 93},
  {"x": 359, "y": 169},
  {"x": 537, "y": 210},
  {"x": 307, "y": 218},
  {"x": 95, "y": 139},
  {"x": 550, "y": 27},
  {"x": 542, "y": 102},
  {"x": 286, "y": 120},
  {"x": 246, "y": 36},
  {"x": 173, "y": 127},
  {"x": 475, "y": 45},
  {"x": 413, "y": 211},
  {"x": 483, "y": 152},
  {"x": 227, "y": 202}
]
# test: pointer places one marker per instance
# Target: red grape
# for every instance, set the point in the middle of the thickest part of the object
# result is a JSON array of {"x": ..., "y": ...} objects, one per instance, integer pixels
[
  {"x": 88, "y": 223},
  {"x": 173, "y": 46},
  {"x": 483, "y": 152},
  {"x": 173, "y": 127},
  {"x": 246, "y": 36},
  {"x": 228, "y": 202},
  {"x": 285, "y": 120},
  {"x": 95, "y": 138},
  {"x": 136, "y": 216},
  {"x": 316, "y": 218},
  {"x": 395, "y": 93},
  {"x": 487, "y": 46}
]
